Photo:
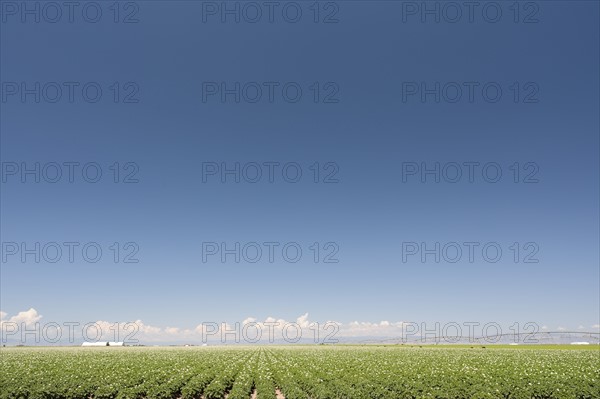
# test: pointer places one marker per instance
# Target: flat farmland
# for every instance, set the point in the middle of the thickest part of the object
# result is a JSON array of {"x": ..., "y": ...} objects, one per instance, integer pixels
[{"x": 294, "y": 372}]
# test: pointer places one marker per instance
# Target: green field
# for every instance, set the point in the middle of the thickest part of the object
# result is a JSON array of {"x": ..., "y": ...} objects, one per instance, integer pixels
[{"x": 300, "y": 372}]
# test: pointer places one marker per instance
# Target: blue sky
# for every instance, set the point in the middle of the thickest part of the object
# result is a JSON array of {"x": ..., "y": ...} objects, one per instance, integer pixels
[{"x": 162, "y": 132}]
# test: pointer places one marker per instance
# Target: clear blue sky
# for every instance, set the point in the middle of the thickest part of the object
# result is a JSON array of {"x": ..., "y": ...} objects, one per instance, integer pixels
[{"x": 375, "y": 127}]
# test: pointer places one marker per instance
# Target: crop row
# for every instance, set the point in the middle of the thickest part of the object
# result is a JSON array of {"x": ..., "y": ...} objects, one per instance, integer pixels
[{"x": 298, "y": 373}]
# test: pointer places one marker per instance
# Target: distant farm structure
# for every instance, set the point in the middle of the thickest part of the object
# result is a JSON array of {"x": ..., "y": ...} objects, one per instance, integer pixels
[{"x": 103, "y": 343}]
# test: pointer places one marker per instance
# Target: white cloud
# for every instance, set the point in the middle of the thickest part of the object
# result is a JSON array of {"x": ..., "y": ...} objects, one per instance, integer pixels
[
  {"x": 302, "y": 321},
  {"x": 173, "y": 330},
  {"x": 28, "y": 317},
  {"x": 14, "y": 326},
  {"x": 214, "y": 331},
  {"x": 147, "y": 329}
]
